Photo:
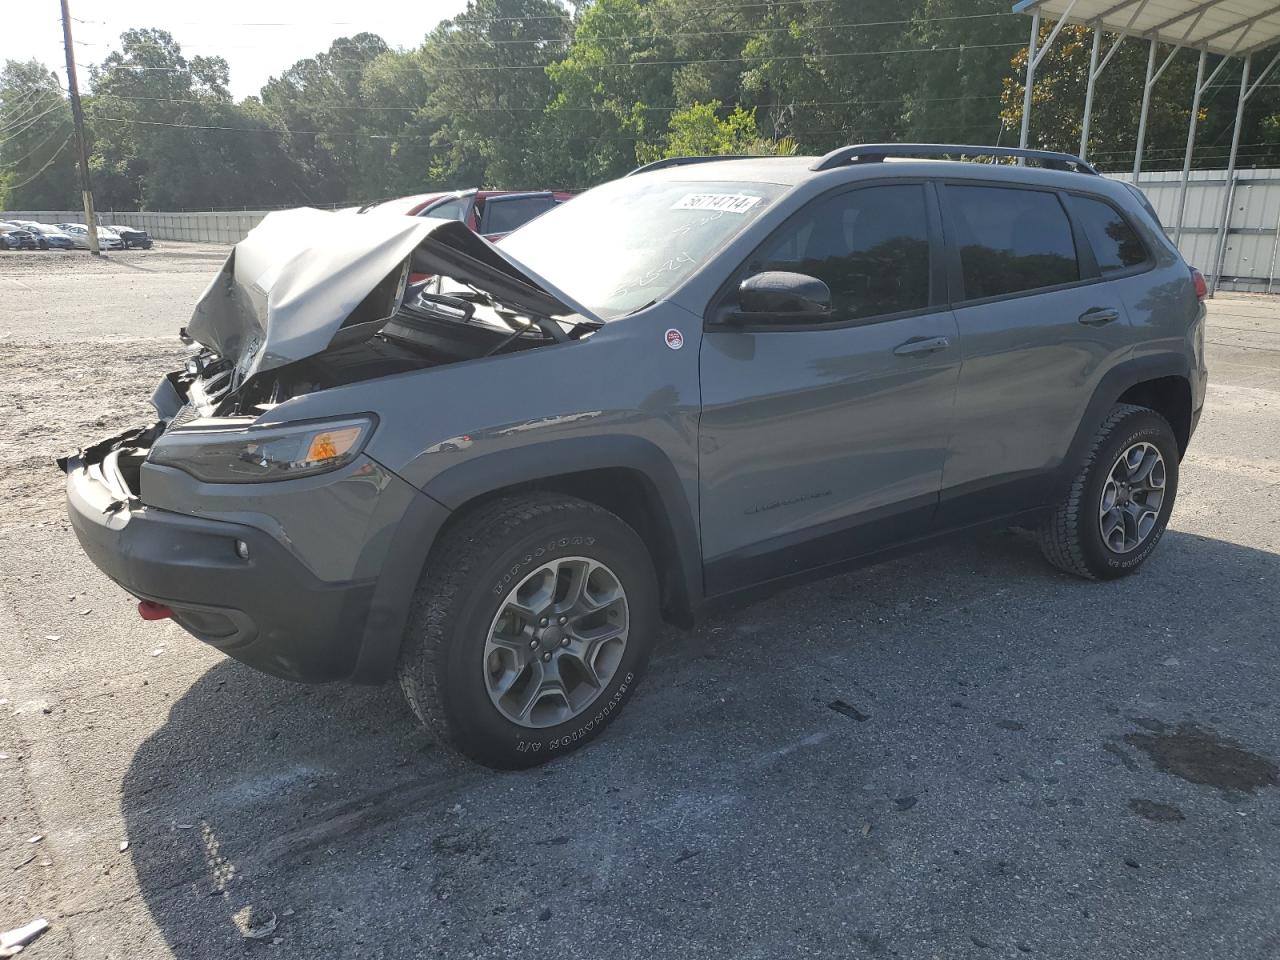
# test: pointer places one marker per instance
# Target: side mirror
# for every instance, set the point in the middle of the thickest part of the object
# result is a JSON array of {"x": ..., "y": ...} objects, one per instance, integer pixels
[{"x": 781, "y": 296}]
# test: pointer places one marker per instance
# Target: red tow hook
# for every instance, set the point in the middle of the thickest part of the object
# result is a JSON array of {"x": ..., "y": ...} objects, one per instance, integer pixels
[{"x": 150, "y": 610}]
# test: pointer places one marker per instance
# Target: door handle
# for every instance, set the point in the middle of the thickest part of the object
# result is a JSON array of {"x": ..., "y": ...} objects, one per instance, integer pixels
[
  {"x": 1098, "y": 316},
  {"x": 921, "y": 345}
]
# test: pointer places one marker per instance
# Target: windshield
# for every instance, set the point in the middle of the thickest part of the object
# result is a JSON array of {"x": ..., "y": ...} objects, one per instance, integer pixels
[{"x": 632, "y": 241}]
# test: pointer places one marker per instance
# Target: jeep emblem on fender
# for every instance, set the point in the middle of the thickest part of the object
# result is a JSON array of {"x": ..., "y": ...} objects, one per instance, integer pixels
[{"x": 675, "y": 339}]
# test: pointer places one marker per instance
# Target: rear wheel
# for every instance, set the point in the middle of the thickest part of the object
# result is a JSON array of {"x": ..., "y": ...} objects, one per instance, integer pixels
[
  {"x": 529, "y": 630},
  {"x": 1115, "y": 512}
]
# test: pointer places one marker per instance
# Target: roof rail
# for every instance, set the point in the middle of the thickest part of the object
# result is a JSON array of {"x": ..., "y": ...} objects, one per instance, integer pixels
[
  {"x": 875, "y": 152},
  {"x": 684, "y": 161}
]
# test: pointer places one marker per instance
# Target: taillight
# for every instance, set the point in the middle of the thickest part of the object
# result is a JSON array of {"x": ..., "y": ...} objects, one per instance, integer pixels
[{"x": 1202, "y": 288}]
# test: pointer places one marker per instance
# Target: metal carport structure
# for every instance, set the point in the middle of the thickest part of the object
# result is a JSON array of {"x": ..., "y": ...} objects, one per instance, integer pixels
[{"x": 1225, "y": 28}]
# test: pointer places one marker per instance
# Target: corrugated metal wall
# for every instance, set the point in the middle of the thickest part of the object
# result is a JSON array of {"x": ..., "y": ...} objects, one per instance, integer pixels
[{"x": 1250, "y": 261}]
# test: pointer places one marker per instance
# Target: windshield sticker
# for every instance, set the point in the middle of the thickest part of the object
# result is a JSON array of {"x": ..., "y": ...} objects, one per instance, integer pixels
[{"x": 724, "y": 202}]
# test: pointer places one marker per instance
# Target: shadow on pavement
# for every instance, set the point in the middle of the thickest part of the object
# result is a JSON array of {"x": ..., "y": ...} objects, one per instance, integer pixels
[{"x": 927, "y": 757}]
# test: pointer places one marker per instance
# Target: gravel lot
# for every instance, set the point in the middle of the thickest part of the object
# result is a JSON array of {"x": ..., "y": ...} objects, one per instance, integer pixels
[{"x": 959, "y": 754}]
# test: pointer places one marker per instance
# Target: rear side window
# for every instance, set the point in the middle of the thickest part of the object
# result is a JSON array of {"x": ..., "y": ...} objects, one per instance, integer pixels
[
  {"x": 1011, "y": 240},
  {"x": 1115, "y": 245},
  {"x": 870, "y": 246},
  {"x": 503, "y": 216}
]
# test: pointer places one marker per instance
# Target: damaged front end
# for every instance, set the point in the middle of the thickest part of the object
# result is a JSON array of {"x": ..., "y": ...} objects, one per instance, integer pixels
[
  {"x": 313, "y": 300},
  {"x": 176, "y": 513}
]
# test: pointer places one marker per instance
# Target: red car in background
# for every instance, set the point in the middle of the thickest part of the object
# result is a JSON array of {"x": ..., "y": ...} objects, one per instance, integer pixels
[{"x": 491, "y": 213}]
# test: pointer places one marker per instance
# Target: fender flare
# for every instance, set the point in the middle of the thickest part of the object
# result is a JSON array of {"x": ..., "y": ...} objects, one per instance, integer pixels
[
  {"x": 548, "y": 460},
  {"x": 1113, "y": 384}
]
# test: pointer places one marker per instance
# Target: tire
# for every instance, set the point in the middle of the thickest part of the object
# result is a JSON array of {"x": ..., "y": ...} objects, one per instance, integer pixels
[
  {"x": 452, "y": 665},
  {"x": 1071, "y": 537}
]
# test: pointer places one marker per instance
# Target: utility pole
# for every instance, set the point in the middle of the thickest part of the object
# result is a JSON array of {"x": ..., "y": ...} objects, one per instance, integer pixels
[{"x": 78, "y": 116}]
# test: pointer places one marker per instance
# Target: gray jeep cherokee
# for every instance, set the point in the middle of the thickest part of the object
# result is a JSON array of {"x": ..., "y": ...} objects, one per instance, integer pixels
[{"x": 682, "y": 385}]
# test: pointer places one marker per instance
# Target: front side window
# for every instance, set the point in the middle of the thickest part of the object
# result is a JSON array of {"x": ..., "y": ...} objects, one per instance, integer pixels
[
  {"x": 1115, "y": 245},
  {"x": 869, "y": 246},
  {"x": 1011, "y": 240}
]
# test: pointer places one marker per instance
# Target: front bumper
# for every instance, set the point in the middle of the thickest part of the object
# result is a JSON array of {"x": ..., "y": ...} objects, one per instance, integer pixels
[{"x": 270, "y": 611}]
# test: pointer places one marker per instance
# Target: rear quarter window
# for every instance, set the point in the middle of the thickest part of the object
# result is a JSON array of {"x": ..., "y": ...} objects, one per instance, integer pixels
[
  {"x": 1011, "y": 240},
  {"x": 503, "y": 216},
  {"x": 1116, "y": 245}
]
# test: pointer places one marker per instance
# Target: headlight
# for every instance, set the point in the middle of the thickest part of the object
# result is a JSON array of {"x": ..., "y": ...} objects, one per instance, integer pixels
[{"x": 258, "y": 454}]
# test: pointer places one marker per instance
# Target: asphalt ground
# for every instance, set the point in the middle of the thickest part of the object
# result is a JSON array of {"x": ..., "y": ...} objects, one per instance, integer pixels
[{"x": 959, "y": 754}]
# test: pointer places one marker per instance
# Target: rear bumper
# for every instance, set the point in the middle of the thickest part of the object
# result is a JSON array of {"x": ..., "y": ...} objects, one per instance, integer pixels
[{"x": 270, "y": 610}]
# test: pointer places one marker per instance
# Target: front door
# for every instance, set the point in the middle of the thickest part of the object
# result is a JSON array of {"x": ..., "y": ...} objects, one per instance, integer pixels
[{"x": 826, "y": 441}]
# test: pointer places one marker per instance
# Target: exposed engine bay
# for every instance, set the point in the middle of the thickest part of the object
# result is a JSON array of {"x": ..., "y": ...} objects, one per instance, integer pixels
[
  {"x": 311, "y": 300},
  {"x": 273, "y": 325}
]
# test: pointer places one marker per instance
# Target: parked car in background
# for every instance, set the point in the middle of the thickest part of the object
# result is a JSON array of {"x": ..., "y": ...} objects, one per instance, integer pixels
[
  {"x": 48, "y": 237},
  {"x": 14, "y": 237},
  {"x": 131, "y": 236},
  {"x": 79, "y": 233},
  {"x": 491, "y": 213}
]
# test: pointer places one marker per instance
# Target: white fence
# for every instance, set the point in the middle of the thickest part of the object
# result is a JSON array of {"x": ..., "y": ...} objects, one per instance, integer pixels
[
  {"x": 1249, "y": 262},
  {"x": 206, "y": 227}
]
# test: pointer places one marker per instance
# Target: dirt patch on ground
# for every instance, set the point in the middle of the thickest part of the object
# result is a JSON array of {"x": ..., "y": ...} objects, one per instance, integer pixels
[
  {"x": 53, "y": 395},
  {"x": 1204, "y": 757}
]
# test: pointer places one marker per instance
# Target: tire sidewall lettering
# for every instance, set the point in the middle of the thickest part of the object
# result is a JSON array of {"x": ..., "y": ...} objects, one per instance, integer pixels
[
  {"x": 537, "y": 555},
  {"x": 585, "y": 730}
]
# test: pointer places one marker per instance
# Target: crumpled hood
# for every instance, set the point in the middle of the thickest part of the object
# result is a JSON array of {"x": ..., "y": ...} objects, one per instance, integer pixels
[{"x": 304, "y": 280}]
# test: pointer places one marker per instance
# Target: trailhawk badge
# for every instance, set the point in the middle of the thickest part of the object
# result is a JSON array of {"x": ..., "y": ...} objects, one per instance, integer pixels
[{"x": 675, "y": 339}]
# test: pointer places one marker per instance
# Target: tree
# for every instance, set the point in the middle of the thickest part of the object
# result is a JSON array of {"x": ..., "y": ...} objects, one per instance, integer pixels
[
  {"x": 338, "y": 129},
  {"x": 167, "y": 135},
  {"x": 603, "y": 109},
  {"x": 37, "y": 163},
  {"x": 485, "y": 70},
  {"x": 697, "y": 131}
]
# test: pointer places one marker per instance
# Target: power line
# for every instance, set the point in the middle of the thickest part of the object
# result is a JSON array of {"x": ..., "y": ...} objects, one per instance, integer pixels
[
  {"x": 31, "y": 122},
  {"x": 334, "y": 105},
  {"x": 631, "y": 64},
  {"x": 33, "y": 150},
  {"x": 47, "y": 164},
  {"x": 716, "y": 8},
  {"x": 380, "y": 136},
  {"x": 31, "y": 105},
  {"x": 600, "y": 38}
]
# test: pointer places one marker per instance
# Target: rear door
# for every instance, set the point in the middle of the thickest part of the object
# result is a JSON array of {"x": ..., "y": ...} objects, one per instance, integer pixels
[
  {"x": 825, "y": 441},
  {"x": 1039, "y": 325}
]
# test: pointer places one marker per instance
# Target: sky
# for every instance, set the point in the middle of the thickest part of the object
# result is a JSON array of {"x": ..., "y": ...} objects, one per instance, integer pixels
[{"x": 258, "y": 38}]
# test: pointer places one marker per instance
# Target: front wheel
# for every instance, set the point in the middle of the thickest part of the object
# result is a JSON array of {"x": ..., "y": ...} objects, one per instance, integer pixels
[
  {"x": 1115, "y": 512},
  {"x": 529, "y": 630}
]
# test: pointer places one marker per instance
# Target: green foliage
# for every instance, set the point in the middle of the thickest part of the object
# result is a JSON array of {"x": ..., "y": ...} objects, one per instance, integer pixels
[
  {"x": 37, "y": 159},
  {"x": 522, "y": 93},
  {"x": 697, "y": 131}
]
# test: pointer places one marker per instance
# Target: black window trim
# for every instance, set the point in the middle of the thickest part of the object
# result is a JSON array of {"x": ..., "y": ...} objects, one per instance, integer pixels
[
  {"x": 1149, "y": 261},
  {"x": 938, "y": 281}
]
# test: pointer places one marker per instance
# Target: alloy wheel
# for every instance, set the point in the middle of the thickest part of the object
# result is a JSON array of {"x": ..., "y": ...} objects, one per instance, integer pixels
[
  {"x": 1131, "y": 498},
  {"x": 556, "y": 642}
]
